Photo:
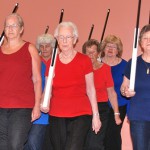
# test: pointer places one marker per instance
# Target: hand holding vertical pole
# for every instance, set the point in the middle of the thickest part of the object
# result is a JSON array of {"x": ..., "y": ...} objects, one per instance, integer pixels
[
  {"x": 135, "y": 48},
  {"x": 48, "y": 88}
]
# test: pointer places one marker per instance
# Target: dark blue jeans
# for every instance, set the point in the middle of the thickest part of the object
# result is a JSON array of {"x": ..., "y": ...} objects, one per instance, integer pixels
[
  {"x": 36, "y": 137},
  {"x": 96, "y": 141},
  {"x": 140, "y": 134},
  {"x": 14, "y": 127}
]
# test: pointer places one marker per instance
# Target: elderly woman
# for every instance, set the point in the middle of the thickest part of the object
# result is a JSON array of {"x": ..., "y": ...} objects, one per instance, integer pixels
[
  {"x": 104, "y": 89},
  {"x": 45, "y": 44},
  {"x": 139, "y": 110},
  {"x": 112, "y": 49},
  {"x": 20, "y": 85},
  {"x": 73, "y": 99},
  {"x": 39, "y": 134}
]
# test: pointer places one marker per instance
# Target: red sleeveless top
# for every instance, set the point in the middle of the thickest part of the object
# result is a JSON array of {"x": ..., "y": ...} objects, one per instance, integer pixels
[{"x": 16, "y": 85}]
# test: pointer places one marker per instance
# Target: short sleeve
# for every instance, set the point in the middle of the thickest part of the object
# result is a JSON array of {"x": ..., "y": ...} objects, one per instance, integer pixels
[
  {"x": 109, "y": 78},
  {"x": 128, "y": 69},
  {"x": 87, "y": 65}
]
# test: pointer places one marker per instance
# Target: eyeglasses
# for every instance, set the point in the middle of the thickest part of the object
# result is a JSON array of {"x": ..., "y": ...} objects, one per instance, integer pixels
[
  {"x": 111, "y": 47},
  {"x": 67, "y": 38},
  {"x": 13, "y": 26}
]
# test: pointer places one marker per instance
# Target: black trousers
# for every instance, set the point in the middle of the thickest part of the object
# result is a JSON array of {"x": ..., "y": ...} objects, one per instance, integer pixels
[
  {"x": 69, "y": 133},
  {"x": 113, "y": 139},
  {"x": 47, "y": 145},
  {"x": 96, "y": 141}
]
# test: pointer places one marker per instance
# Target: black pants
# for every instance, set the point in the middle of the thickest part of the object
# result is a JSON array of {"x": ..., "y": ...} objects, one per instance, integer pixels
[
  {"x": 96, "y": 141},
  {"x": 69, "y": 133},
  {"x": 113, "y": 139},
  {"x": 47, "y": 145}
]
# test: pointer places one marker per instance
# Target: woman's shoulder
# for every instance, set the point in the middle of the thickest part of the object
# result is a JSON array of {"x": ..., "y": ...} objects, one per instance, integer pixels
[
  {"x": 83, "y": 56},
  {"x": 139, "y": 58},
  {"x": 123, "y": 61},
  {"x": 105, "y": 67},
  {"x": 31, "y": 47}
]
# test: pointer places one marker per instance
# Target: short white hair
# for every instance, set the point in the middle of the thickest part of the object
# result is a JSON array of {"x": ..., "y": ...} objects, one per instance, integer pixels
[
  {"x": 66, "y": 24},
  {"x": 45, "y": 38}
]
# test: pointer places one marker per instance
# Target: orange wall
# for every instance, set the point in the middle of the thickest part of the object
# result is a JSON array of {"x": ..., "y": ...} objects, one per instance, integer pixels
[{"x": 38, "y": 14}]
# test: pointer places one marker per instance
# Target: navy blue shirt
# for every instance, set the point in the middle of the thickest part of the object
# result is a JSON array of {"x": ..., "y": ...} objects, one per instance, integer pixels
[{"x": 140, "y": 103}]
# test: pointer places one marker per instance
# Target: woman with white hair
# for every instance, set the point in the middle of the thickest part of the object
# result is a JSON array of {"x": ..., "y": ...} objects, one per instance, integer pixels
[
  {"x": 38, "y": 137},
  {"x": 73, "y": 99}
]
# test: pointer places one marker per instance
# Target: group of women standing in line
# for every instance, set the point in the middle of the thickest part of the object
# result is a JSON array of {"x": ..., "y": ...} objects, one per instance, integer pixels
[{"x": 80, "y": 115}]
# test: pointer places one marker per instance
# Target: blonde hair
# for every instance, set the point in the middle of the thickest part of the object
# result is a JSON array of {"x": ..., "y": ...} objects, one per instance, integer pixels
[
  {"x": 113, "y": 40},
  {"x": 19, "y": 18}
]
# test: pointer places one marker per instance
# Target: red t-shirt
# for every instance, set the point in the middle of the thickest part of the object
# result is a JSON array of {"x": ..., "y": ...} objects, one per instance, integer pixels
[
  {"x": 45, "y": 62},
  {"x": 16, "y": 85},
  {"x": 69, "y": 96},
  {"x": 103, "y": 80}
]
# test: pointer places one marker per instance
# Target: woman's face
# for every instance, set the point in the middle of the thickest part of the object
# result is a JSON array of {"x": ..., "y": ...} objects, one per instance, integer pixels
[
  {"x": 92, "y": 53},
  {"x": 145, "y": 41},
  {"x": 66, "y": 39},
  {"x": 111, "y": 50},
  {"x": 46, "y": 50},
  {"x": 12, "y": 28}
]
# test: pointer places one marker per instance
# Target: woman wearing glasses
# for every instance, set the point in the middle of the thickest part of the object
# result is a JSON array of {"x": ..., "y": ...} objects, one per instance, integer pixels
[
  {"x": 73, "y": 99},
  {"x": 112, "y": 49},
  {"x": 20, "y": 85}
]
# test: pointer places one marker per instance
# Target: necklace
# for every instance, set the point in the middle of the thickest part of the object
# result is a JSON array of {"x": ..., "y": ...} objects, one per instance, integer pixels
[{"x": 147, "y": 67}]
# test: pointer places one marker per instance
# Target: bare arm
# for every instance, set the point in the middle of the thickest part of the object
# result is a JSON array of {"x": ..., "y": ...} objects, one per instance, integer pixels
[
  {"x": 113, "y": 100},
  {"x": 96, "y": 124},
  {"x": 37, "y": 81}
]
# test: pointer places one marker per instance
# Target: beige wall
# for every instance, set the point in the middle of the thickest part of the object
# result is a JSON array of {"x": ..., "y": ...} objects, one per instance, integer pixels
[{"x": 37, "y": 14}]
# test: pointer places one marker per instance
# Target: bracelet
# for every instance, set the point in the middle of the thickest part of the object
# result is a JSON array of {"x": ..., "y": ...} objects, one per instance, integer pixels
[
  {"x": 116, "y": 113},
  {"x": 96, "y": 114}
]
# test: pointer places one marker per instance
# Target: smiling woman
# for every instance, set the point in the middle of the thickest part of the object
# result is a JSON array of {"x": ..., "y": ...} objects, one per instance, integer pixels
[
  {"x": 112, "y": 49},
  {"x": 139, "y": 111}
]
